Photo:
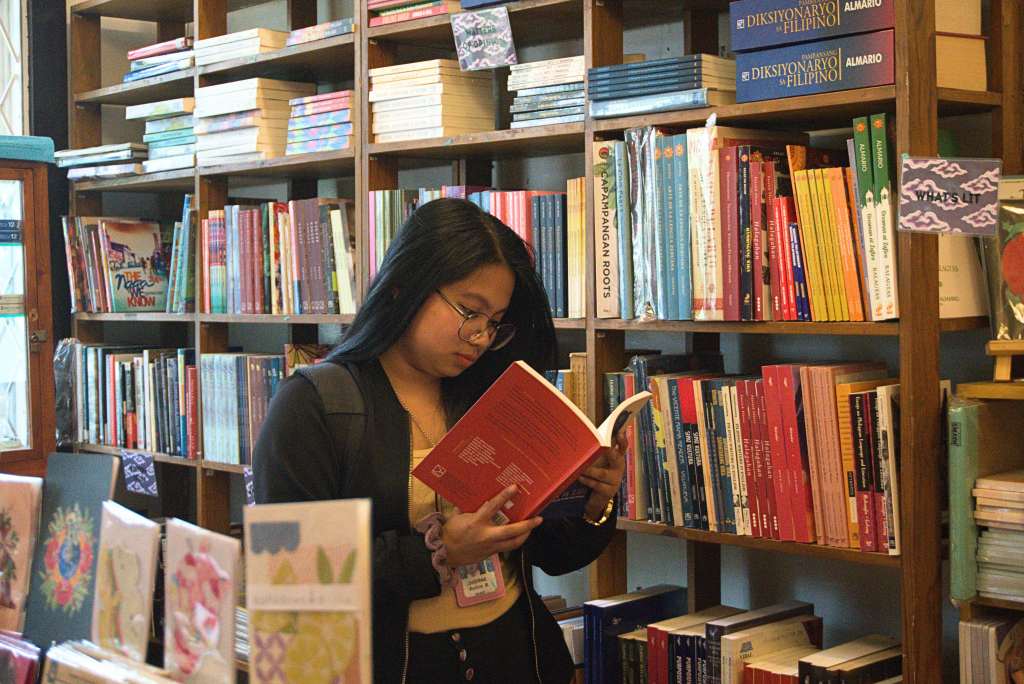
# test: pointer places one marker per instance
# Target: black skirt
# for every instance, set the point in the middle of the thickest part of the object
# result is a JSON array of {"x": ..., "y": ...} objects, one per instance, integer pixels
[{"x": 500, "y": 652}]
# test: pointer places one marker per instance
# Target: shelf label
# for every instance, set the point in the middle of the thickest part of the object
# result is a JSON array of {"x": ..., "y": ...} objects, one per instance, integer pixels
[
  {"x": 949, "y": 195},
  {"x": 139, "y": 473},
  {"x": 483, "y": 39}
]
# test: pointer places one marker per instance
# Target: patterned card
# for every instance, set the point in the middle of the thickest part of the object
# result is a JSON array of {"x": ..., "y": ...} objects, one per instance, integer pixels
[
  {"x": 201, "y": 574},
  {"x": 483, "y": 39},
  {"x": 139, "y": 473},
  {"x": 949, "y": 195},
  {"x": 59, "y": 606},
  {"x": 125, "y": 578},
  {"x": 308, "y": 592},
  {"x": 19, "y": 527}
]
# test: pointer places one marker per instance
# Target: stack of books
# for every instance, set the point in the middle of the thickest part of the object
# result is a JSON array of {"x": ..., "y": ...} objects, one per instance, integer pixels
[
  {"x": 548, "y": 92},
  {"x": 383, "y": 12},
  {"x": 988, "y": 646},
  {"x": 330, "y": 29},
  {"x": 105, "y": 161},
  {"x": 429, "y": 100},
  {"x": 661, "y": 85},
  {"x": 164, "y": 58},
  {"x": 999, "y": 506},
  {"x": 240, "y": 44},
  {"x": 280, "y": 258},
  {"x": 245, "y": 121},
  {"x": 320, "y": 123},
  {"x": 169, "y": 134}
]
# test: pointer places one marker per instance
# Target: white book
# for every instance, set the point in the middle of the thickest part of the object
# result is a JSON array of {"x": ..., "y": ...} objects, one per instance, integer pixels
[
  {"x": 241, "y": 103},
  {"x": 267, "y": 35},
  {"x": 606, "y": 232},
  {"x": 106, "y": 171},
  {"x": 443, "y": 111},
  {"x": 176, "y": 151},
  {"x": 237, "y": 157},
  {"x": 241, "y": 136},
  {"x": 425, "y": 133},
  {"x": 343, "y": 260},
  {"x": 162, "y": 109},
  {"x": 459, "y": 89},
  {"x": 740, "y": 647},
  {"x": 430, "y": 101},
  {"x": 415, "y": 66},
  {"x": 433, "y": 72},
  {"x": 264, "y": 85},
  {"x": 102, "y": 149},
  {"x": 454, "y": 120},
  {"x": 183, "y": 161},
  {"x": 235, "y": 52}
]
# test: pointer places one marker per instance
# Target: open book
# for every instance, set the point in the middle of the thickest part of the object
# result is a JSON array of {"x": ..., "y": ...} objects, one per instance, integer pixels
[{"x": 525, "y": 432}]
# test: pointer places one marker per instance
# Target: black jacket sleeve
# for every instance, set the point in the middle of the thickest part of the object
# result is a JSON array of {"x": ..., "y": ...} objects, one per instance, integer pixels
[
  {"x": 296, "y": 459},
  {"x": 562, "y": 545}
]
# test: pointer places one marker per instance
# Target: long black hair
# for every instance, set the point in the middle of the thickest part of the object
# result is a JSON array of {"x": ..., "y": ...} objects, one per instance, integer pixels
[{"x": 443, "y": 242}]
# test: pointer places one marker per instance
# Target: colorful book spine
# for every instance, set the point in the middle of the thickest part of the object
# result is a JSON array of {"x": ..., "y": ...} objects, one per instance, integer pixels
[
  {"x": 606, "y": 234},
  {"x": 825, "y": 66},
  {"x": 319, "y": 132},
  {"x": 320, "y": 107},
  {"x": 322, "y": 145},
  {"x": 757, "y": 24},
  {"x": 329, "y": 29},
  {"x": 885, "y": 223},
  {"x": 315, "y": 120}
]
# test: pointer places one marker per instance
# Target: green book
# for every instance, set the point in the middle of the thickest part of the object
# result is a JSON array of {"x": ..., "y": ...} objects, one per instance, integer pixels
[
  {"x": 884, "y": 218},
  {"x": 980, "y": 444},
  {"x": 862, "y": 167}
]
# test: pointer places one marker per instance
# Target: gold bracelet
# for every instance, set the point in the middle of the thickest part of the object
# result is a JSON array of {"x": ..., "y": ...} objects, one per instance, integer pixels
[{"x": 604, "y": 518}]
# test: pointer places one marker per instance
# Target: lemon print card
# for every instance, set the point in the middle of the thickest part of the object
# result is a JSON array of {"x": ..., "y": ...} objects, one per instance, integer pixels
[
  {"x": 202, "y": 570},
  {"x": 125, "y": 578},
  {"x": 307, "y": 577}
]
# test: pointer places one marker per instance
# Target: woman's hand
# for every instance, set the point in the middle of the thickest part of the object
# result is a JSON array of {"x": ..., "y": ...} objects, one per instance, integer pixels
[
  {"x": 472, "y": 537},
  {"x": 604, "y": 476}
]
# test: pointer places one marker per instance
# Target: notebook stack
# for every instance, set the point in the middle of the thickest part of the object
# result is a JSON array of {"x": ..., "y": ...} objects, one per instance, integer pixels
[
  {"x": 240, "y": 44},
  {"x": 245, "y": 121},
  {"x": 999, "y": 506},
  {"x": 383, "y": 12},
  {"x": 548, "y": 92},
  {"x": 105, "y": 161},
  {"x": 169, "y": 134},
  {"x": 428, "y": 100},
  {"x": 661, "y": 85},
  {"x": 164, "y": 58},
  {"x": 330, "y": 29},
  {"x": 320, "y": 123}
]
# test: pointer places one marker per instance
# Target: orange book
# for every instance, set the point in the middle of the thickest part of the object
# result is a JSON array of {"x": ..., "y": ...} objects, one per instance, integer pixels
[
  {"x": 840, "y": 204},
  {"x": 522, "y": 431},
  {"x": 858, "y": 249}
]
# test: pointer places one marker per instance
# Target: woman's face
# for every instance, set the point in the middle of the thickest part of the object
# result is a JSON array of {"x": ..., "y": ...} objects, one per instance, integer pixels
[{"x": 432, "y": 344}]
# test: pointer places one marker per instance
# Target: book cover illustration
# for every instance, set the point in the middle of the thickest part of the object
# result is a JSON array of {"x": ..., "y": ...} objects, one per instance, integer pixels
[
  {"x": 19, "y": 527},
  {"x": 1004, "y": 263},
  {"x": 483, "y": 39},
  {"x": 949, "y": 195},
  {"x": 202, "y": 570},
  {"x": 125, "y": 577},
  {"x": 136, "y": 265},
  {"x": 308, "y": 592},
  {"x": 64, "y": 565}
]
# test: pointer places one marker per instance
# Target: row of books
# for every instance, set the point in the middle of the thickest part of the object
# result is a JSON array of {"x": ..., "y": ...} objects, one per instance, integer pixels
[
  {"x": 999, "y": 509},
  {"x": 646, "y": 637},
  {"x": 237, "y": 389},
  {"x": 547, "y": 92},
  {"x": 660, "y": 85},
  {"x": 162, "y": 59},
  {"x": 106, "y": 595},
  {"x": 551, "y": 222},
  {"x": 990, "y": 648},
  {"x": 428, "y": 99},
  {"x": 280, "y": 258},
  {"x": 320, "y": 123},
  {"x": 804, "y": 452},
  {"x": 384, "y": 12}
]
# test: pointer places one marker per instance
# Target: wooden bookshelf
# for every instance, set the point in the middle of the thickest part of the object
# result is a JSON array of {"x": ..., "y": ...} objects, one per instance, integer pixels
[
  {"x": 599, "y": 26},
  {"x": 158, "y": 457}
]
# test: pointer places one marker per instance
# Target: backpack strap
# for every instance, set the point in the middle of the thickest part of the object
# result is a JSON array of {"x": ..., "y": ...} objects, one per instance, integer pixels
[{"x": 341, "y": 395}]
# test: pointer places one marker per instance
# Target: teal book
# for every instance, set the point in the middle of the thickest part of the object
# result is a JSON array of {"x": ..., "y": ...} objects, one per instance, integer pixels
[
  {"x": 60, "y": 604},
  {"x": 980, "y": 444}
]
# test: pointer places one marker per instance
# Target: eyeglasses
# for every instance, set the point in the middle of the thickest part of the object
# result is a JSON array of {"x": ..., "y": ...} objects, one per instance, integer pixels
[{"x": 476, "y": 324}]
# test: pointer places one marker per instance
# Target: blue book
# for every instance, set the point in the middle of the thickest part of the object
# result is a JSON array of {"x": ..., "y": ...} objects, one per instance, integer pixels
[
  {"x": 59, "y": 606},
  {"x": 725, "y": 474},
  {"x": 681, "y": 232},
  {"x": 707, "y": 389},
  {"x": 561, "y": 256},
  {"x": 658, "y": 102},
  {"x": 803, "y": 305},
  {"x": 679, "y": 441},
  {"x": 622, "y": 190},
  {"x": 668, "y": 287},
  {"x": 606, "y": 619},
  {"x": 757, "y": 24}
]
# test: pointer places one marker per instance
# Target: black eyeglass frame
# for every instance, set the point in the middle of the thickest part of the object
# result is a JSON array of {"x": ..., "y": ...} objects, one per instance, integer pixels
[{"x": 495, "y": 328}]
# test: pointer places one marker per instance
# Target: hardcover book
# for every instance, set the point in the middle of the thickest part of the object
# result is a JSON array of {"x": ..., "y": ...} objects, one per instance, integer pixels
[
  {"x": 20, "y": 498},
  {"x": 308, "y": 592},
  {"x": 202, "y": 571},
  {"x": 824, "y": 66},
  {"x": 757, "y": 24},
  {"x": 125, "y": 577},
  {"x": 522, "y": 431},
  {"x": 64, "y": 566}
]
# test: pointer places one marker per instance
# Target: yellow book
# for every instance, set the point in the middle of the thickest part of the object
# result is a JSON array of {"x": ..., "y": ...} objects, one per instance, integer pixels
[
  {"x": 805, "y": 214},
  {"x": 830, "y": 239}
]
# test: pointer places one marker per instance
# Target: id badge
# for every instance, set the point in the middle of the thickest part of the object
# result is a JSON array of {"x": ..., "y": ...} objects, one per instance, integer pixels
[{"x": 479, "y": 582}]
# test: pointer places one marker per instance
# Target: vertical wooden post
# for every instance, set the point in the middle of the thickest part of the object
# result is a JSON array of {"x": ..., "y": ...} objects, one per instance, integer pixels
[
  {"x": 700, "y": 32},
  {"x": 916, "y": 133},
  {"x": 1004, "y": 60},
  {"x": 301, "y": 13},
  {"x": 84, "y": 123},
  {"x": 703, "y": 575}
]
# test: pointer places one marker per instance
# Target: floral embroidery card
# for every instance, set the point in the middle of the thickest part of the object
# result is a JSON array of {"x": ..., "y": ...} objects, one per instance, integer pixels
[
  {"x": 201, "y": 575},
  {"x": 308, "y": 592},
  {"x": 19, "y": 527},
  {"x": 64, "y": 564},
  {"x": 125, "y": 578}
]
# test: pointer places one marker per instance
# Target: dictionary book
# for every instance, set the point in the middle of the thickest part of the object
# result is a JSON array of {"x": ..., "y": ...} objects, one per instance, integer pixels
[{"x": 757, "y": 24}]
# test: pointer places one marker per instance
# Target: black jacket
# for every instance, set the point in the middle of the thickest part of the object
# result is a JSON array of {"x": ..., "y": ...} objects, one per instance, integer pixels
[{"x": 297, "y": 458}]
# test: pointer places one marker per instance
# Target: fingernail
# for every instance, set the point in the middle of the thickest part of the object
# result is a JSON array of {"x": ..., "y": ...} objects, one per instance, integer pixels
[{"x": 511, "y": 489}]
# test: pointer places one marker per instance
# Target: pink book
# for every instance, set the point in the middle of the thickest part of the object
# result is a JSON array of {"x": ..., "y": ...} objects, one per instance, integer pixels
[{"x": 166, "y": 47}]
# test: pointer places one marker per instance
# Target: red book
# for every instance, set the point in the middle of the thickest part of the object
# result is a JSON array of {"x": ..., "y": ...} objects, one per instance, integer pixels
[
  {"x": 688, "y": 417},
  {"x": 410, "y": 15},
  {"x": 783, "y": 214},
  {"x": 805, "y": 517},
  {"x": 166, "y": 47},
  {"x": 522, "y": 431},
  {"x": 881, "y": 516},
  {"x": 757, "y": 236},
  {"x": 784, "y": 488},
  {"x": 778, "y": 288},
  {"x": 339, "y": 95},
  {"x": 754, "y": 496},
  {"x": 191, "y": 412},
  {"x": 730, "y": 233},
  {"x": 629, "y": 383},
  {"x": 763, "y": 446}
]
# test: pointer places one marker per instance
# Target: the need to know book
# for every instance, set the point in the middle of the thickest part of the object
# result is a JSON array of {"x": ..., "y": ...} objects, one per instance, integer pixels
[{"x": 525, "y": 432}]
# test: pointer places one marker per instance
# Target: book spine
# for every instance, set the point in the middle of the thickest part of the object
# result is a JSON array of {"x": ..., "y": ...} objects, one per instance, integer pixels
[
  {"x": 799, "y": 280},
  {"x": 680, "y": 181},
  {"x": 624, "y": 223},
  {"x": 773, "y": 526},
  {"x": 681, "y": 454},
  {"x": 746, "y": 237},
  {"x": 757, "y": 24},
  {"x": 668, "y": 285},
  {"x": 864, "y": 183},
  {"x": 409, "y": 15},
  {"x": 862, "y": 452},
  {"x": 192, "y": 408},
  {"x": 755, "y": 496},
  {"x": 728, "y": 232},
  {"x": 879, "y": 519},
  {"x": 758, "y": 232},
  {"x": 705, "y": 225},
  {"x": 776, "y": 458},
  {"x": 840, "y": 206},
  {"x": 884, "y": 220},
  {"x": 606, "y": 238}
]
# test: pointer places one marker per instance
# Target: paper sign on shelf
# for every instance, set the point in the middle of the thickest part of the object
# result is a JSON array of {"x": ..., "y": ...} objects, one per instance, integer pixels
[
  {"x": 483, "y": 39},
  {"x": 949, "y": 195}
]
